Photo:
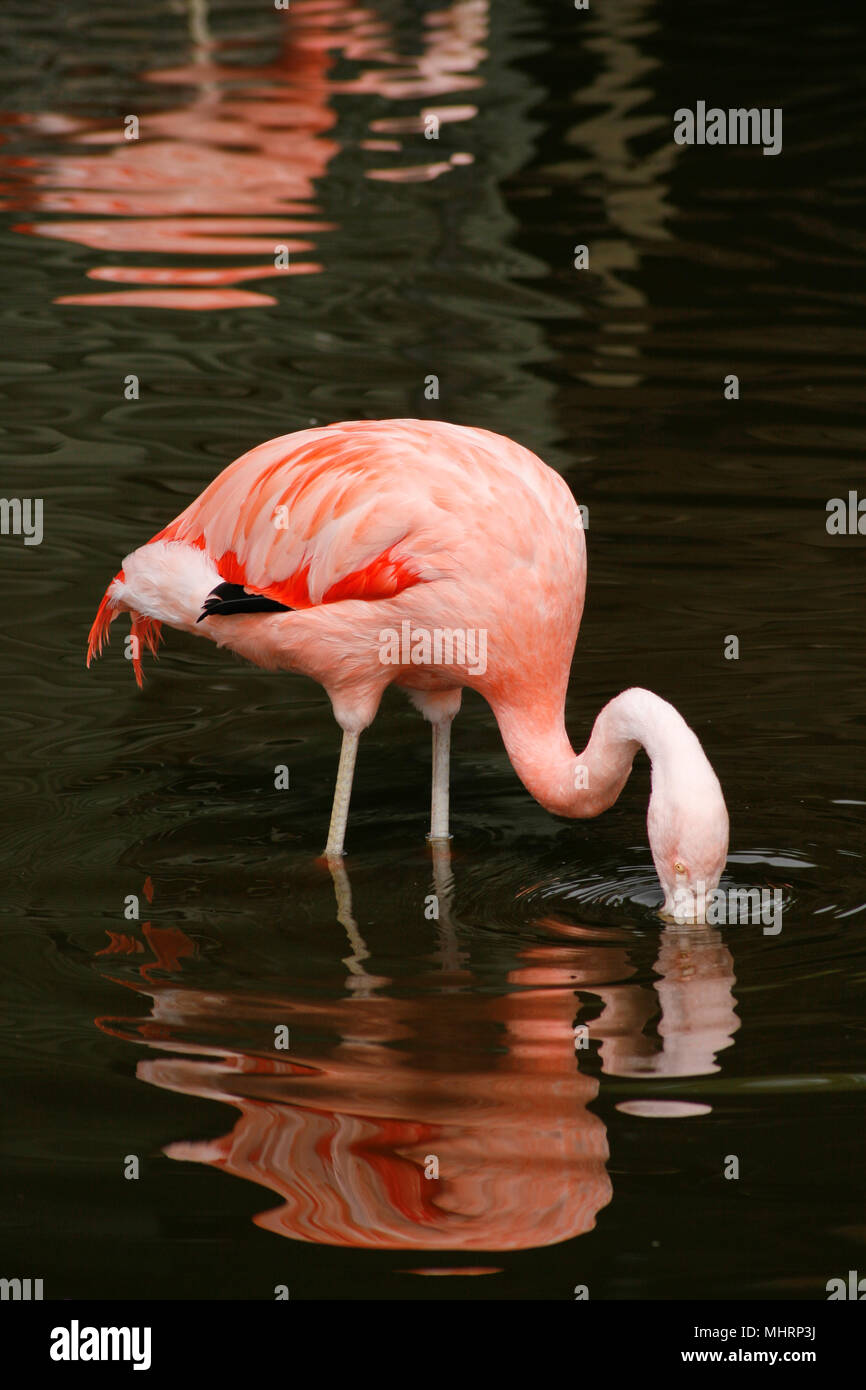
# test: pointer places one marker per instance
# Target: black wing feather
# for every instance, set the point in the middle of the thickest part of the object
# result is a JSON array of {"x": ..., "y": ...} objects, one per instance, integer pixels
[{"x": 226, "y": 599}]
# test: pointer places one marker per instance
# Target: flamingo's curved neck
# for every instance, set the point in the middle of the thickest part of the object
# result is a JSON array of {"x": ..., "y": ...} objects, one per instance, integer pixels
[{"x": 585, "y": 784}]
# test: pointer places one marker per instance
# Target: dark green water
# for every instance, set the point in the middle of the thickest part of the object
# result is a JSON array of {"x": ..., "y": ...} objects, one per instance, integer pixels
[{"x": 412, "y": 1037}]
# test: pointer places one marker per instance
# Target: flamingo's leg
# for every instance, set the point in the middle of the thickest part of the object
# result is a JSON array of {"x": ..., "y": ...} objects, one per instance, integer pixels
[
  {"x": 441, "y": 769},
  {"x": 440, "y": 707},
  {"x": 342, "y": 794}
]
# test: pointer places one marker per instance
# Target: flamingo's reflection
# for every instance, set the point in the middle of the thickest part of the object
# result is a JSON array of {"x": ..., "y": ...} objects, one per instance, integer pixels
[
  {"x": 232, "y": 168},
  {"x": 448, "y": 1118}
]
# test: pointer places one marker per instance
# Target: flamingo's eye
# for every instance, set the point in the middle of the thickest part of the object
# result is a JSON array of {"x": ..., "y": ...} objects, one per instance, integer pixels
[{"x": 679, "y": 868}]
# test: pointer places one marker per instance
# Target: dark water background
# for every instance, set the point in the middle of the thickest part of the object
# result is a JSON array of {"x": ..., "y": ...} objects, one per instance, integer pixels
[{"x": 412, "y": 1036}]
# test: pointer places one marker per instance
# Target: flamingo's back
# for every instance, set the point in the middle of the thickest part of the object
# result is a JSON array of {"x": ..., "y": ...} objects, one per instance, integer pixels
[{"x": 362, "y": 509}]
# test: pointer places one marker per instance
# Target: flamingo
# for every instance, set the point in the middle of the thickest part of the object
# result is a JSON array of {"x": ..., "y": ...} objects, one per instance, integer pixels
[{"x": 433, "y": 556}]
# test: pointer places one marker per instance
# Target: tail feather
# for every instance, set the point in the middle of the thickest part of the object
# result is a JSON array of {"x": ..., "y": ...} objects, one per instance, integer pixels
[
  {"x": 146, "y": 631},
  {"x": 161, "y": 582},
  {"x": 106, "y": 613}
]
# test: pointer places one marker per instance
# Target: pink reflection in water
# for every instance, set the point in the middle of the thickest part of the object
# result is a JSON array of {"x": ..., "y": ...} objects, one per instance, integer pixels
[
  {"x": 233, "y": 172},
  {"x": 343, "y": 1129}
]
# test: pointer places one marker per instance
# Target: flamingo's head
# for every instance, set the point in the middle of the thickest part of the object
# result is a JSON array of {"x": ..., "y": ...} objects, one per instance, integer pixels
[{"x": 688, "y": 836}]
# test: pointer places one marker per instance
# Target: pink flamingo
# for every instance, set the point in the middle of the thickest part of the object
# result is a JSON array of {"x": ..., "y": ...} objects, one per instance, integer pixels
[{"x": 434, "y": 556}]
